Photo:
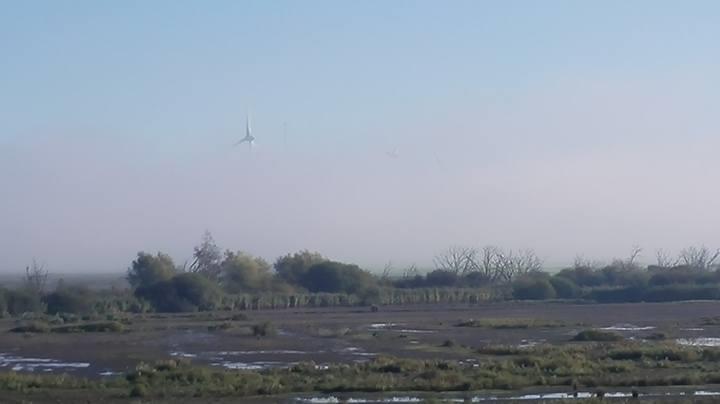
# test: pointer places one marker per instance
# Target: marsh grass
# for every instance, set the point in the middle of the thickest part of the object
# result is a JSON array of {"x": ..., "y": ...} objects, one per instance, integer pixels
[
  {"x": 513, "y": 323},
  {"x": 587, "y": 366},
  {"x": 41, "y": 327}
]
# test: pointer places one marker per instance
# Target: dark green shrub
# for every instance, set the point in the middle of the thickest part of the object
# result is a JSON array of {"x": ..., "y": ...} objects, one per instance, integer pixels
[
  {"x": 292, "y": 268},
  {"x": 441, "y": 278},
  {"x": 597, "y": 335},
  {"x": 565, "y": 288},
  {"x": 69, "y": 300},
  {"x": 448, "y": 343},
  {"x": 629, "y": 294},
  {"x": 149, "y": 269},
  {"x": 533, "y": 288},
  {"x": 221, "y": 327},
  {"x": 110, "y": 326},
  {"x": 139, "y": 391},
  {"x": 186, "y": 292},
  {"x": 334, "y": 277},
  {"x": 265, "y": 329},
  {"x": 21, "y": 301},
  {"x": 33, "y": 327}
]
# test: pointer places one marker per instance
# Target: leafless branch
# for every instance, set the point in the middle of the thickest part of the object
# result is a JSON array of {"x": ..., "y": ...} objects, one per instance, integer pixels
[{"x": 36, "y": 277}]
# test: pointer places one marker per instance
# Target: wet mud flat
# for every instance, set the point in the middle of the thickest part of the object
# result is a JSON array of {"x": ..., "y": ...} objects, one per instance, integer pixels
[{"x": 347, "y": 335}]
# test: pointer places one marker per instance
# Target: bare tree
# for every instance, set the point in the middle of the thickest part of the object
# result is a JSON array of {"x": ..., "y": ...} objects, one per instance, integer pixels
[
  {"x": 490, "y": 263},
  {"x": 498, "y": 265},
  {"x": 581, "y": 262},
  {"x": 634, "y": 254},
  {"x": 527, "y": 261},
  {"x": 410, "y": 272},
  {"x": 459, "y": 260},
  {"x": 629, "y": 263},
  {"x": 511, "y": 264},
  {"x": 665, "y": 260},
  {"x": 698, "y": 257},
  {"x": 387, "y": 270},
  {"x": 36, "y": 277}
]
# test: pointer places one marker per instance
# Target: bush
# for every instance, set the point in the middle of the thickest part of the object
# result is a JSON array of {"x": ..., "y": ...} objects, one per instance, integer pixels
[
  {"x": 336, "y": 277},
  {"x": 69, "y": 300},
  {"x": 682, "y": 292},
  {"x": 533, "y": 288},
  {"x": 565, "y": 288},
  {"x": 110, "y": 326},
  {"x": 597, "y": 335},
  {"x": 292, "y": 268},
  {"x": 186, "y": 292},
  {"x": 22, "y": 301},
  {"x": 139, "y": 391},
  {"x": 629, "y": 294},
  {"x": 266, "y": 329},
  {"x": 242, "y": 272},
  {"x": 33, "y": 327},
  {"x": 147, "y": 270},
  {"x": 441, "y": 278}
]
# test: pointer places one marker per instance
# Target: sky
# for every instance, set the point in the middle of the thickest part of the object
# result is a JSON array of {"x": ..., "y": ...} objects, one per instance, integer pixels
[{"x": 571, "y": 128}]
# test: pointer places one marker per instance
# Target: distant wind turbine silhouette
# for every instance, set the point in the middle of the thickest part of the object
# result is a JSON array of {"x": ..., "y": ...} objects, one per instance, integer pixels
[
  {"x": 393, "y": 154},
  {"x": 249, "y": 138}
]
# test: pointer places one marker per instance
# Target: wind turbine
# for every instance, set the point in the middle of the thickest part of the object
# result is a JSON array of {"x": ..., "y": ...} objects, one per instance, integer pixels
[
  {"x": 249, "y": 138},
  {"x": 393, "y": 154}
]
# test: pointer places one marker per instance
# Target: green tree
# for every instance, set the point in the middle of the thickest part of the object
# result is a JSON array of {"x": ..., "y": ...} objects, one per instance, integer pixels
[
  {"x": 148, "y": 269},
  {"x": 334, "y": 277},
  {"x": 242, "y": 272},
  {"x": 207, "y": 258},
  {"x": 293, "y": 267},
  {"x": 185, "y": 292}
]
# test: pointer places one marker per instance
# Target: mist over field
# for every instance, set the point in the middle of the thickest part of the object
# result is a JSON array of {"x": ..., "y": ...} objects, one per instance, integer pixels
[{"x": 587, "y": 135}]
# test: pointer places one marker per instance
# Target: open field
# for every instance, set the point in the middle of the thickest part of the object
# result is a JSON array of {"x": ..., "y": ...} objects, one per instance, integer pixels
[{"x": 468, "y": 337}]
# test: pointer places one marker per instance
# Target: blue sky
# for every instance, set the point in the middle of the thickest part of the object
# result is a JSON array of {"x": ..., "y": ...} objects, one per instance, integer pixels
[{"x": 568, "y": 127}]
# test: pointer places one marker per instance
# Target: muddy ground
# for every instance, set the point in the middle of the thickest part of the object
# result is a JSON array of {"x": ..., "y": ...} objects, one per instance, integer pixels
[{"x": 341, "y": 335}]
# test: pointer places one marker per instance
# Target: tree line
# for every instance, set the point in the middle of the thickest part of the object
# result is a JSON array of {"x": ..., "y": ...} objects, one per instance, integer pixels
[{"x": 235, "y": 280}]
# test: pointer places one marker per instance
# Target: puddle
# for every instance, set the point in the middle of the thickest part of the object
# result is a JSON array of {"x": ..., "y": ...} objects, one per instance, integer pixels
[
  {"x": 390, "y": 326},
  {"x": 21, "y": 364},
  {"x": 353, "y": 350},
  {"x": 693, "y": 329},
  {"x": 268, "y": 352},
  {"x": 259, "y": 365},
  {"x": 704, "y": 341},
  {"x": 383, "y": 325},
  {"x": 182, "y": 355},
  {"x": 528, "y": 343},
  {"x": 109, "y": 373},
  {"x": 627, "y": 327}
]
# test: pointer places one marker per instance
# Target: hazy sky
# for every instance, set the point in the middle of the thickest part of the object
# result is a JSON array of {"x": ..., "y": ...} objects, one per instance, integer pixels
[{"x": 568, "y": 127}]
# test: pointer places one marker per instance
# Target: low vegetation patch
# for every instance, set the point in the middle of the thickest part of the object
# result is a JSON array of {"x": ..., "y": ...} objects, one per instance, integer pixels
[
  {"x": 32, "y": 327},
  {"x": 597, "y": 335},
  {"x": 588, "y": 366},
  {"x": 264, "y": 329},
  {"x": 40, "y": 327},
  {"x": 512, "y": 323}
]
